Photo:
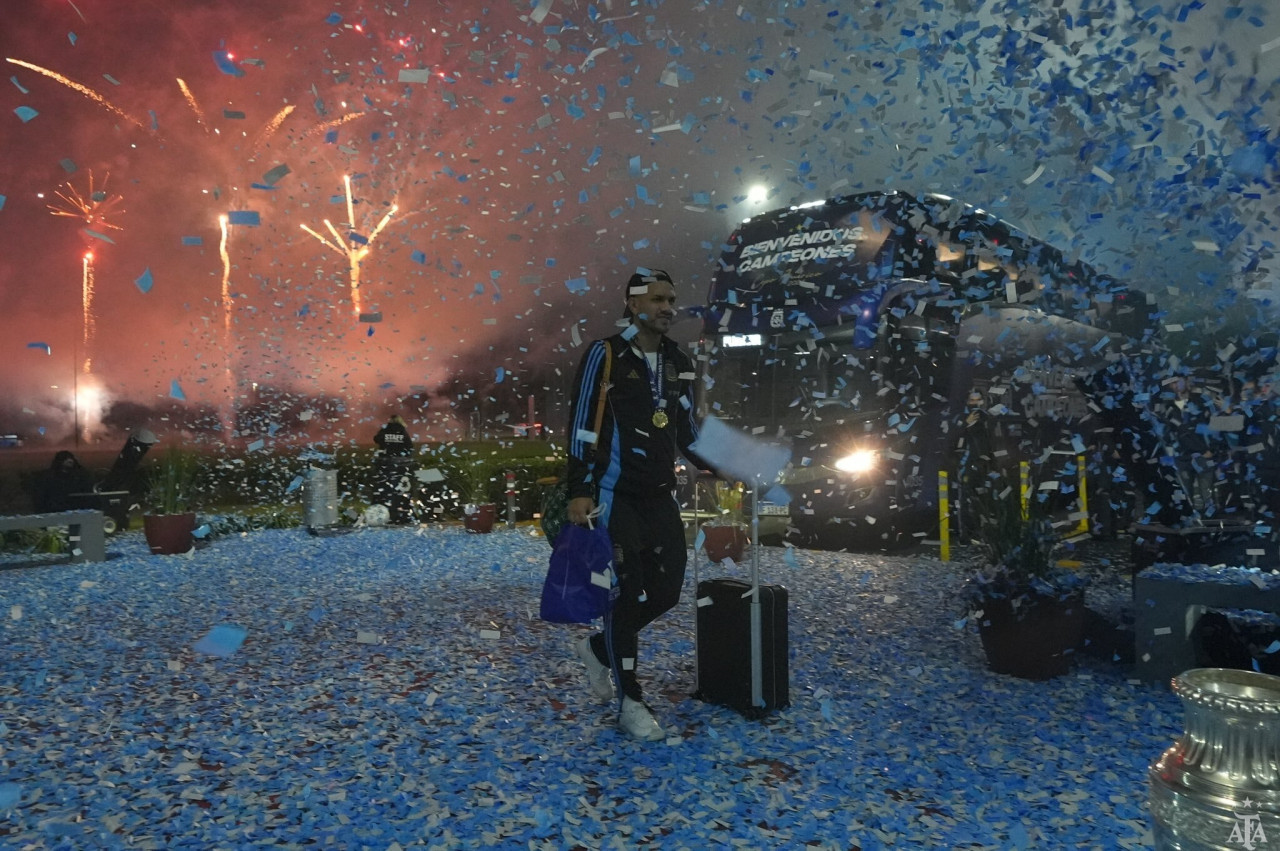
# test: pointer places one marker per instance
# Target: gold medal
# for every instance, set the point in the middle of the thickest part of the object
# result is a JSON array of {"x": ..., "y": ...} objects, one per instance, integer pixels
[{"x": 660, "y": 419}]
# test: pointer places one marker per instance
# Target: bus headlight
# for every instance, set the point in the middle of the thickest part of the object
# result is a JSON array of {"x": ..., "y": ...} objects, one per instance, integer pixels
[{"x": 858, "y": 461}]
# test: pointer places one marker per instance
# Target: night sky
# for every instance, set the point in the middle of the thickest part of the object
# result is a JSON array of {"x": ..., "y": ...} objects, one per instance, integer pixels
[{"x": 537, "y": 154}]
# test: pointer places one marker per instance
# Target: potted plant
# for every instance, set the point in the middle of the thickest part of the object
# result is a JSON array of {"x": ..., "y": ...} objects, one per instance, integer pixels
[
  {"x": 478, "y": 512},
  {"x": 726, "y": 536},
  {"x": 171, "y": 485},
  {"x": 1030, "y": 612}
]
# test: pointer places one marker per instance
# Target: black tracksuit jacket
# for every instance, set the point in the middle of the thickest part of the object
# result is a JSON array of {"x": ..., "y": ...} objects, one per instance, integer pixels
[{"x": 631, "y": 456}]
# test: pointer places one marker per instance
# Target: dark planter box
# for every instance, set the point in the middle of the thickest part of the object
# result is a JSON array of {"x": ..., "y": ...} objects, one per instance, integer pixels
[
  {"x": 169, "y": 534},
  {"x": 1037, "y": 640}
]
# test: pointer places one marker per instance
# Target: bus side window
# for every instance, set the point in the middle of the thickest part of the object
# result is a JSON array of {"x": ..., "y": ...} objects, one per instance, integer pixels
[
  {"x": 906, "y": 334},
  {"x": 921, "y": 352}
]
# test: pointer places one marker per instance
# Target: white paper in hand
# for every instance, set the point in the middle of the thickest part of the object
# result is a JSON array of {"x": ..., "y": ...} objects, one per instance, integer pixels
[{"x": 738, "y": 454}]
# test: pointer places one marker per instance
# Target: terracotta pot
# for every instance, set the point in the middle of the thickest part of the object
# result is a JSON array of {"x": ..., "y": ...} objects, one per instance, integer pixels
[
  {"x": 1039, "y": 645},
  {"x": 169, "y": 534},
  {"x": 479, "y": 518},
  {"x": 721, "y": 542}
]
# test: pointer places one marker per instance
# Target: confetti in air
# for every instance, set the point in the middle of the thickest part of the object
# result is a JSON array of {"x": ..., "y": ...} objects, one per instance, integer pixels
[
  {"x": 530, "y": 169},
  {"x": 393, "y": 687}
]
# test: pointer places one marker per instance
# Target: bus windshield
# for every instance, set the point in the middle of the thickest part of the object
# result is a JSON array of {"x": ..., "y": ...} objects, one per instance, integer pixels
[
  {"x": 794, "y": 382},
  {"x": 788, "y": 383}
]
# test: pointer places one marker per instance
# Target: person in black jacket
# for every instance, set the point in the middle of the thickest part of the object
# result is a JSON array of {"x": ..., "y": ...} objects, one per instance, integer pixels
[
  {"x": 627, "y": 474},
  {"x": 393, "y": 488},
  {"x": 64, "y": 477},
  {"x": 393, "y": 438}
]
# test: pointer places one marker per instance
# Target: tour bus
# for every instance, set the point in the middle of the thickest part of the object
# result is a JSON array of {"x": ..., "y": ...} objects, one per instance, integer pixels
[{"x": 859, "y": 330}]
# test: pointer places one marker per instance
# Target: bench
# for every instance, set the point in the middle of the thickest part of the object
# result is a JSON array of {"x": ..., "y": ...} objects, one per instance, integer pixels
[
  {"x": 1233, "y": 540},
  {"x": 1169, "y": 599},
  {"x": 84, "y": 527}
]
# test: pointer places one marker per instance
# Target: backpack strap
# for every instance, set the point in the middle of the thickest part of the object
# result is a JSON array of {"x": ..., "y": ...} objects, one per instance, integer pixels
[{"x": 605, "y": 377}]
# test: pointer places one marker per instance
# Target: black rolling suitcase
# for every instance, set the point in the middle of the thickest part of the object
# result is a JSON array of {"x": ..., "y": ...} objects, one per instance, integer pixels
[
  {"x": 725, "y": 647},
  {"x": 741, "y": 638}
]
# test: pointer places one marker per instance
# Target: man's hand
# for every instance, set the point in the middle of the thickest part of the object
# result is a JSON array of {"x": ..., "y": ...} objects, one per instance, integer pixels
[{"x": 579, "y": 508}]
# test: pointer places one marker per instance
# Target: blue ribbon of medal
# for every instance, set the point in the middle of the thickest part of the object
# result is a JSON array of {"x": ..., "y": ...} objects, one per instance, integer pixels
[{"x": 660, "y": 418}]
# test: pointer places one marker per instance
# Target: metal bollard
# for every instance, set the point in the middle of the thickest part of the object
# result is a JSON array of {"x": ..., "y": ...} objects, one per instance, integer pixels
[
  {"x": 1082, "y": 496},
  {"x": 1024, "y": 487},
  {"x": 944, "y": 517},
  {"x": 511, "y": 499}
]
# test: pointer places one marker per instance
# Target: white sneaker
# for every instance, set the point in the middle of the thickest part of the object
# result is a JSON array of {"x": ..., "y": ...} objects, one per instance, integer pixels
[
  {"x": 637, "y": 721},
  {"x": 598, "y": 675}
]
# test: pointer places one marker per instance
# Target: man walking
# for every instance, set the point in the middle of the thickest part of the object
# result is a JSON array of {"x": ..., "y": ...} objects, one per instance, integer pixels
[{"x": 627, "y": 473}]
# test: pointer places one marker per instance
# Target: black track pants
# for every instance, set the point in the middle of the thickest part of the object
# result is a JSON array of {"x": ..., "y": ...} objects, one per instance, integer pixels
[{"x": 649, "y": 558}]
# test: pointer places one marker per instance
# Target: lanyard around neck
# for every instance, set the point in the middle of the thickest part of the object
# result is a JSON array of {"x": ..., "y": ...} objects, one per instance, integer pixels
[{"x": 655, "y": 376}]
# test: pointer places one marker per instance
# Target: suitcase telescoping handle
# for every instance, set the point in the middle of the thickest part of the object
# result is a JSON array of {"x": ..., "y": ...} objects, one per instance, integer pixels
[
  {"x": 698, "y": 475},
  {"x": 697, "y": 529},
  {"x": 757, "y": 665}
]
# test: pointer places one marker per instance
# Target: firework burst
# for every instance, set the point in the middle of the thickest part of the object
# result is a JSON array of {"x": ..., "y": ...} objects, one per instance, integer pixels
[
  {"x": 94, "y": 207},
  {"x": 325, "y": 126},
  {"x": 82, "y": 89},
  {"x": 355, "y": 248},
  {"x": 87, "y": 318},
  {"x": 193, "y": 103},
  {"x": 270, "y": 128},
  {"x": 227, "y": 417}
]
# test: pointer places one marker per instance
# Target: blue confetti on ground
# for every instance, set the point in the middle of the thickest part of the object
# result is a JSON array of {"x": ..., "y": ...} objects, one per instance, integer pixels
[{"x": 399, "y": 688}]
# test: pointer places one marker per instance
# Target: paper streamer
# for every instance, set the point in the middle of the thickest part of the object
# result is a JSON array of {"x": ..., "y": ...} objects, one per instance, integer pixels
[
  {"x": 738, "y": 454},
  {"x": 223, "y": 640}
]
